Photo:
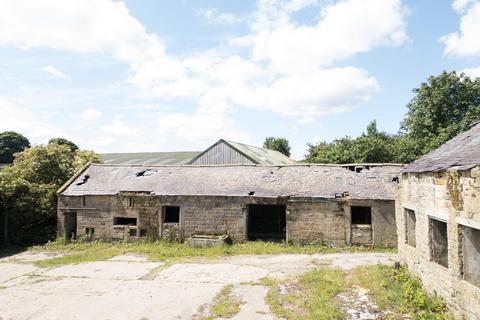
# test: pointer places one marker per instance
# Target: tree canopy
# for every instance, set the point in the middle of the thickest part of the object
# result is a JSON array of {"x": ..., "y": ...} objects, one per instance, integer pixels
[
  {"x": 279, "y": 144},
  {"x": 10, "y": 143},
  {"x": 63, "y": 141},
  {"x": 374, "y": 146},
  {"x": 28, "y": 189},
  {"x": 442, "y": 107}
]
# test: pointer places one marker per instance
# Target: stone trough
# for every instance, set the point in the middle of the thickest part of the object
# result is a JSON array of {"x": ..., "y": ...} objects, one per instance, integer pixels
[{"x": 204, "y": 241}]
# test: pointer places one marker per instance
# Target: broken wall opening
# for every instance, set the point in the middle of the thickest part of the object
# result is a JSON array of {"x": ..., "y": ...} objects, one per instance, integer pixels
[
  {"x": 70, "y": 224},
  {"x": 266, "y": 222},
  {"x": 171, "y": 214},
  {"x": 361, "y": 225},
  {"x": 361, "y": 215},
  {"x": 122, "y": 221},
  {"x": 471, "y": 255},
  {"x": 410, "y": 227},
  {"x": 439, "y": 242}
]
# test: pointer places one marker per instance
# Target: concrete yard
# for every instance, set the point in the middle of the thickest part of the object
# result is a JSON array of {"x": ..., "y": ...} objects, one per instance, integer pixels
[{"x": 130, "y": 287}]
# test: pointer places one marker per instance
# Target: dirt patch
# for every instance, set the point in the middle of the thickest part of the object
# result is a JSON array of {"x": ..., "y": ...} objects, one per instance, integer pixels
[{"x": 356, "y": 304}]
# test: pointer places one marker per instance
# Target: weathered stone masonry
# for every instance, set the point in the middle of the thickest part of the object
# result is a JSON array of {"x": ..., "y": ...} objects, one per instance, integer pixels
[
  {"x": 306, "y": 220},
  {"x": 438, "y": 222},
  {"x": 455, "y": 201}
]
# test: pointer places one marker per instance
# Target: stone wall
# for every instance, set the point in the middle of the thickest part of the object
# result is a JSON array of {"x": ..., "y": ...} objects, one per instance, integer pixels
[
  {"x": 99, "y": 212},
  {"x": 452, "y": 197},
  {"x": 307, "y": 220},
  {"x": 210, "y": 215},
  {"x": 322, "y": 221}
]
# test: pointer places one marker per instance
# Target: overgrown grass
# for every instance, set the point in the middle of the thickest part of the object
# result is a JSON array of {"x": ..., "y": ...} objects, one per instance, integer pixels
[
  {"x": 312, "y": 297},
  {"x": 224, "y": 306},
  {"x": 397, "y": 290},
  {"x": 77, "y": 252}
]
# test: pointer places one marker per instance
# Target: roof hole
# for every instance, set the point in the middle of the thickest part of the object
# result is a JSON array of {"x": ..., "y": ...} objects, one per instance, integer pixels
[
  {"x": 251, "y": 193},
  {"x": 84, "y": 180},
  {"x": 146, "y": 173}
]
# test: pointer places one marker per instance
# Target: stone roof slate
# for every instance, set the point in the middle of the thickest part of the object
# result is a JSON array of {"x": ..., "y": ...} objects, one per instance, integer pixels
[
  {"x": 461, "y": 153},
  {"x": 316, "y": 181}
]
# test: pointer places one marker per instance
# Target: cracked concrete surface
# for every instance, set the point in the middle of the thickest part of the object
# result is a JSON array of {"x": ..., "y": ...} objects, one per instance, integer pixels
[{"x": 130, "y": 287}]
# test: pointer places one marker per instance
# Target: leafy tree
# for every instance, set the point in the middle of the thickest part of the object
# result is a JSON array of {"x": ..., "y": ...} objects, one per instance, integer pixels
[
  {"x": 371, "y": 147},
  {"x": 278, "y": 144},
  {"x": 10, "y": 143},
  {"x": 442, "y": 107},
  {"x": 28, "y": 189},
  {"x": 65, "y": 142}
]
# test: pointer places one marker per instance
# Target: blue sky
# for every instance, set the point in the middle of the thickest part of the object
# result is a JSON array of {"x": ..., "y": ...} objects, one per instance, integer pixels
[{"x": 145, "y": 75}]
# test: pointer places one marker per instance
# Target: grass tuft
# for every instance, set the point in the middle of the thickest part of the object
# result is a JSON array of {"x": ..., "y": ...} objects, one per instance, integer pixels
[
  {"x": 224, "y": 306},
  {"x": 397, "y": 290},
  {"x": 312, "y": 297}
]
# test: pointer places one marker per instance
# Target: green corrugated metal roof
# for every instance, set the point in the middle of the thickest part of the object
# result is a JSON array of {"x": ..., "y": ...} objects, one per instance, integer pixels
[
  {"x": 149, "y": 158},
  {"x": 260, "y": 155}
]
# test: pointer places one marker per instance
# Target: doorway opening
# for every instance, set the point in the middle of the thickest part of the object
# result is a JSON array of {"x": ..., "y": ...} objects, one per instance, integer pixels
[
  {"x": 267, "y": 222},
  {"x": 70, "y": 225}
]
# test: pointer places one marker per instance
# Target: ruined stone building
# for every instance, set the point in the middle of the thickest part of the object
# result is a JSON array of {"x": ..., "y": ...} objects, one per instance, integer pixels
[
  {"x": 438, "y": 221},
  {"x": 339, "y": 205},
  {"x": 221, "y": 152}
]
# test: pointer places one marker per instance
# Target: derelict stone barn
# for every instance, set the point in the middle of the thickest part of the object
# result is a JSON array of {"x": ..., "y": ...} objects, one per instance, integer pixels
[
  {"x": 340, "y": 205},
  {"x": 438, "y": 221}
]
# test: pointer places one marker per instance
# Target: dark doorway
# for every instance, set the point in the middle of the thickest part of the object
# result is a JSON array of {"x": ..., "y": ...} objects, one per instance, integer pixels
[
  {"x": 266, "y": 222},
  {"x": 171, "y": 214},
  {"x": 361, "y": 215},
  {"x": 70, "y": 225}
]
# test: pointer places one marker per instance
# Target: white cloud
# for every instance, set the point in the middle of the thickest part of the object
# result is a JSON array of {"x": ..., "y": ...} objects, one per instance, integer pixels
[
  {"x": 345, "y": 28},
  {"x": 466, "y": 42},
  {"x": 54, "y": 72},
  {"x": 290, "y": 68},
  {"x": 79, "y": 26},
  {"x": 461, "y": 5},
  {"x": 288, "y": 72},
  {"x": 90, "y": 114},
  {"x": 220, "y": 17},
  {"x": 32, "y": 124},
  {"x": 472, "y": 72},
  {"x": 310, "y": 95}
]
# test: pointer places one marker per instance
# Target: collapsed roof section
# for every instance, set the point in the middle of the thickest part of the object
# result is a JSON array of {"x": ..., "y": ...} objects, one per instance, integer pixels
[{"x": 302, "y": 180}]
